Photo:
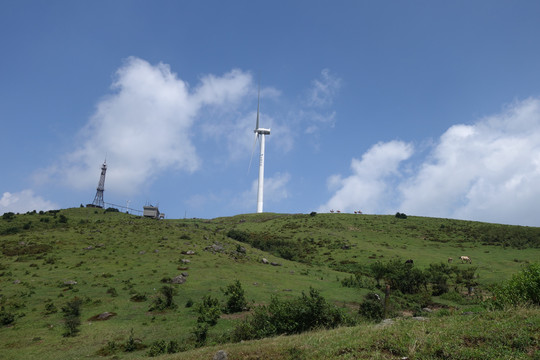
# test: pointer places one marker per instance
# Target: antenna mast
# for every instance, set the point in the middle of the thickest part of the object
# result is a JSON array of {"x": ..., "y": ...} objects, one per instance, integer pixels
[{"x": 98, "y": 199}]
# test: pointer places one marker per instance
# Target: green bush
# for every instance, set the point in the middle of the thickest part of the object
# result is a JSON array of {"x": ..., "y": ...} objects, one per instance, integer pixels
[
  {"x": 6, "y": 318},
  {"x": 372, "y": 308},
  {"x": 290, "y": 317},
  {"x": 522, "y": 288},
  {"x": 209, "y": 311},
  {"x": 72, "y": 315},
  {"x": 164, "y": 300},
  {"x": 8, "y": 216},
  {"x": 237, "y": 300}
]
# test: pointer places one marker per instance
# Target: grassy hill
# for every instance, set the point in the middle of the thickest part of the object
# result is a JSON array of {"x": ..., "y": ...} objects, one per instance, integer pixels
[{"x": 118, "y": 263}]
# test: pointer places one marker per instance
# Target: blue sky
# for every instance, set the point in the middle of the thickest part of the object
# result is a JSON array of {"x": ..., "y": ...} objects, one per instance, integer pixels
[{"x": 430, "y": 108}]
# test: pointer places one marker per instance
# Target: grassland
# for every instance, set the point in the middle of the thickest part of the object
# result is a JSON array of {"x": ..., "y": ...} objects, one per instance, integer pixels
[{"x": 113, "y": 257}]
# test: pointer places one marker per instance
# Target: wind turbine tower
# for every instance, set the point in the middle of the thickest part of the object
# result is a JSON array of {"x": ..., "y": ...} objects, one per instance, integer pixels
[{"x": 260, "y": 132}]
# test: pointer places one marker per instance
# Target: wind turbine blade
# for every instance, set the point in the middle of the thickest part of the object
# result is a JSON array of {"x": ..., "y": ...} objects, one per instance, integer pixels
[
  {"x": 253, "y": 151},
  {"x": 258, "y": 101}
]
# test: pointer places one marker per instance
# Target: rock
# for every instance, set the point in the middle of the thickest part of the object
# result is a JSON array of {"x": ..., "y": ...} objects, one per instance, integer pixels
[
  {"x": 178, "y": 280},
  {"x": 185, "y": 261},
  {"x": 103, "y": 316},
  {"x": 220, "y": 355},
  {"x": 420, "y": 318},
  {"x": 156, "y": 251},
  {"x": 275, "y": 264},
  {"x": 189, "y": 252},
  {"x": 241, "y": 249},
  {"x": 215, "y": 248},
  {"x": 70, "y": 282},
  {"x": 142, "y": 252},
  {"x": 264, "y": 261},
  {"x": 90, "y": 247},
  {"x": 17, "y": 281},
  {"x": 185, "y": 274}
]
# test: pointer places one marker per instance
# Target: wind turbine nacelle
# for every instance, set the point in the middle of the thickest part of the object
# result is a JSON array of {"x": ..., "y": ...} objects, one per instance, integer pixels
[{"x": 262, "y": 131}]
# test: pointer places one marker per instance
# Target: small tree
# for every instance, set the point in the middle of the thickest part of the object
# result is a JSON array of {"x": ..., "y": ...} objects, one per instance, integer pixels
[
  {"x": 164, "y": 300},
  {"x": 72, "y": 317},
  {"x": 237, "y": 300}
]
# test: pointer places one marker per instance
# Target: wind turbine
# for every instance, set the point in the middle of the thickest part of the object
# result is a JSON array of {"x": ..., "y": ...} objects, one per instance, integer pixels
[{"x": 260, "y": 132}]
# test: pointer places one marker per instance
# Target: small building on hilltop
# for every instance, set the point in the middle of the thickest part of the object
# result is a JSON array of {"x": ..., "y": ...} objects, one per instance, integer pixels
[{"x": 151, "y": 211}]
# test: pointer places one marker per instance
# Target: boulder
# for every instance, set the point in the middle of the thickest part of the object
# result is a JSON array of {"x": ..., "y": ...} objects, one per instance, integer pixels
[
  {"x": 178, "y": 280},
  {"x": 103, "y": 316},
  {"x": 220, "y": 355},
  {"x": 264, "y": 261}
]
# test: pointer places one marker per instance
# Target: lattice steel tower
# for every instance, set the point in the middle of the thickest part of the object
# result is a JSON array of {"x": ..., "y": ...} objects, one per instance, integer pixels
[{"x": 98, "y": 200}]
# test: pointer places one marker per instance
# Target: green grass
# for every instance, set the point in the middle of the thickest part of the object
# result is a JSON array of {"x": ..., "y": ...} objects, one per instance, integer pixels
[
  {"x": 102, "y": 251},
  {"x": 488, "y": 335}
]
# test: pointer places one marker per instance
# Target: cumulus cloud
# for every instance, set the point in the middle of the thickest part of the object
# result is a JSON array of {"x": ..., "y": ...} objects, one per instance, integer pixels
[
  {"x": 369, "y": 188},
  {"x": 24, "y": 201},
  {"x": 146, "y": 126},
  {"x": 486, "y": 171}
]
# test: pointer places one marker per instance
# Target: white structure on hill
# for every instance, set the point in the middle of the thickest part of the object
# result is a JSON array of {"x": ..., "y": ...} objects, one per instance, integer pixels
[{"x": 151, "y": 211}]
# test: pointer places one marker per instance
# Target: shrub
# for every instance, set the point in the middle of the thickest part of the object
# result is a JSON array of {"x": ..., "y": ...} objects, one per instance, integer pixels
[
  {"x": 209, "y": 311},
  {"x": 8, "y": 216},
  {"x": 401, "y": 215},
  {"x": 164, "y": 300},
  {"x": 290, "y": 317},
  {"x": 72, "y": 314},
  {"x": 50, "y": 308},
  {"x": 200, "y": 332},
  {"x": 138, "y": 297},
  {"x": 110, "y": 209},
  {"x": 6, "y": 318},
  {"x": 112, "y": 291},
  {"x": 130, "y": 343},
  {"x": 237, "y": 300},
  {"x": 62, "y": 219},
  {"x": 157, "y": 348},
  {"x": 372, "y": 307},
  {"x": 522, "y": 288}
]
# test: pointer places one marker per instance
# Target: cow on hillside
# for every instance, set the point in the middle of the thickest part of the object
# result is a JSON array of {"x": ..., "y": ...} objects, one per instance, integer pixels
[{"x": 465, "y": 259}]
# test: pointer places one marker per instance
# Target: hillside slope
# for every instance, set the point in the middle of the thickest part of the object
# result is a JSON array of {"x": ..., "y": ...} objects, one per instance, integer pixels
[{"x": 117, "y": 263}]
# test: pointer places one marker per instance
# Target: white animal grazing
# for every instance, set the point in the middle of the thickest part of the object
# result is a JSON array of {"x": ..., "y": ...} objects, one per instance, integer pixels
[{"x": 465, "y": 259}]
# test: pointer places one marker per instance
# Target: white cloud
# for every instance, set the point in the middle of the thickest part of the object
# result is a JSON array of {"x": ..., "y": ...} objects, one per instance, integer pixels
[
  {"x": 236, "y": 134},
  {"x": 487, "y": 171},
  {"x": 146, "y": 126},
  {"x": 369, "y": 188},
  {"x": 24, "y": 201},
  {"x": 275, "y": 190},
  {"x": 324, "y": 90}
]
